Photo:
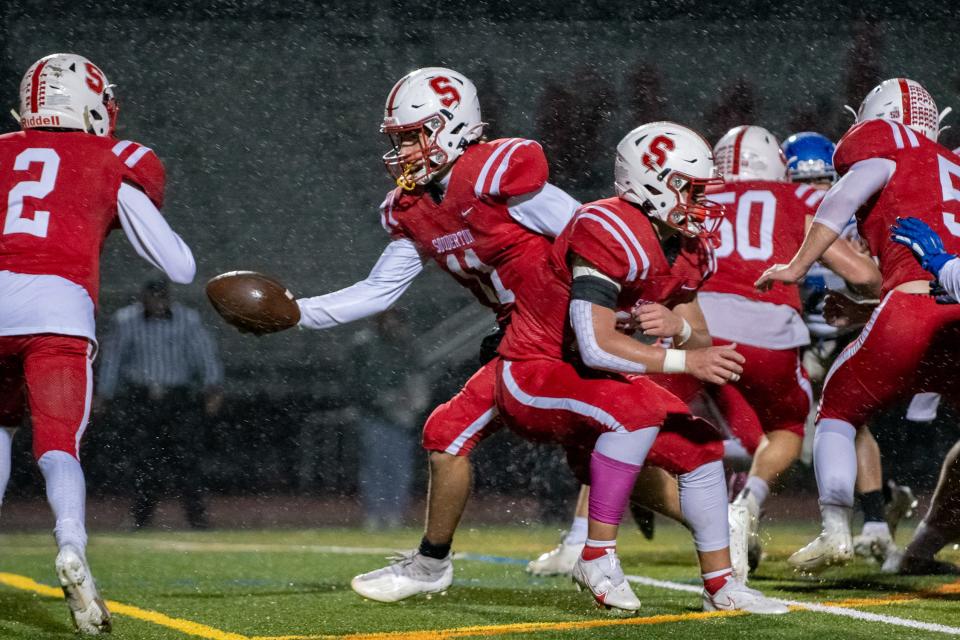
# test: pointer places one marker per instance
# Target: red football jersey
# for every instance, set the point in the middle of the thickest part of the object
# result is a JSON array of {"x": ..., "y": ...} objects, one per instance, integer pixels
[
  {"x": 61, "y": 200},
  {"x": 470, "y": 232},
  {"x": 763, "y": 226},
  {"x": 620, "y": 241},
  {"x": 926, "y": 185}
]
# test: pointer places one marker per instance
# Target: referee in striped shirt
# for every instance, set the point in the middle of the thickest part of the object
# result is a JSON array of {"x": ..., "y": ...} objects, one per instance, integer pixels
[{"x": 162, "y": 365}]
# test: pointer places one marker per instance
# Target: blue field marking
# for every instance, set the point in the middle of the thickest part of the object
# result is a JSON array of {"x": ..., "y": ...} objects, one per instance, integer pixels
[{"x": 481, "y": 557}]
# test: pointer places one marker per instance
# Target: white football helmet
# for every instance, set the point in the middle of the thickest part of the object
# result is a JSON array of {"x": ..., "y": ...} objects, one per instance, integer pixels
[
  {"x": 437, "y": 106},
  {"x": 749, "y": 152},
  {"x": 665, "y": 168},
  {"x": 67, "y": 91},
  {"x": 904, "y": 101}
]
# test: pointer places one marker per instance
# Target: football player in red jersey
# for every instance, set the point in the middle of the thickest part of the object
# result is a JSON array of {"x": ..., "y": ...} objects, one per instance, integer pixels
[
  {"x": 567, "y": 375},
  {"x": 765, "y": 224},
  {"x": 889, "y": 160},
  {"x": 68, "y": 183},
  {"x": 448, "y": 178}
]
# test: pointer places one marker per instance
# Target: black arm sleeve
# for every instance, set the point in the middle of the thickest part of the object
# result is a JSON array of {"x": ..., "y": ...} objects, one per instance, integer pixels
[{"x": 595, "y": 290}]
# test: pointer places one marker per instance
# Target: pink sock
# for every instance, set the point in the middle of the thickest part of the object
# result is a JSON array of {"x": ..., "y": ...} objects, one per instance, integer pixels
[
  {"x": 716, "y": 580},
  {"x": 611, "y": 483}
]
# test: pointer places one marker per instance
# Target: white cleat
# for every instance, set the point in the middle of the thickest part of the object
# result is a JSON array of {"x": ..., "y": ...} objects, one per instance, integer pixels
[
  {"x": 736, "y": 596},
  {"x": 558, "y": 561},
  {"x": 604, "y": 578},
  {"x": 891, "y": 564},
  {"x": 90, "y": 614},
  {"x": 827, "y": 549},
  {"x": 875, "y": 543},
  {"x": 739, "y": 519},
  {"x": 407, "y": 575}
]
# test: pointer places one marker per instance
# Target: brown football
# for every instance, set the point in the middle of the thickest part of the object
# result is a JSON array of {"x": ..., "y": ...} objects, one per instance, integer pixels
[{"x": 253, "y": 302}]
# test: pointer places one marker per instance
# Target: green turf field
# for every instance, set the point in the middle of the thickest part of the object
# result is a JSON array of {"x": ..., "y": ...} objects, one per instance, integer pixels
[{"x": 228, "y": 585}]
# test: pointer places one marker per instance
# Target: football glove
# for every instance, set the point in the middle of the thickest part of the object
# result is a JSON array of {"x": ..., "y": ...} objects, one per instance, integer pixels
[{"x": 926, "y": 245}]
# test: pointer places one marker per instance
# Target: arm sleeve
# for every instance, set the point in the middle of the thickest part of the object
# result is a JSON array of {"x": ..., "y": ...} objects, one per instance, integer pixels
[
  {"x": 861, "y": 182},
  {"x": 546, "y": 210},
  {"x": 950, "y": 278},
  {"x": 204, "y": 351},
  {"x": 112, "y": 350},
  {"x": 151, "y": 236},
  {"x": 581, "y": 317},
  {"x": 398, "y": 265}
]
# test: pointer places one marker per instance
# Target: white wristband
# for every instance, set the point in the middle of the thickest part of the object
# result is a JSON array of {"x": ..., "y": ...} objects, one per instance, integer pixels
[
  {"x": 685, "y": 333},
  {"x": 675, "y": 361}
]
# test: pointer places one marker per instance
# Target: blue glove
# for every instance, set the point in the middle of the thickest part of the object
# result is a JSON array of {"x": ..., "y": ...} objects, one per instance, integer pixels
[{"x": 926, "y": 245}]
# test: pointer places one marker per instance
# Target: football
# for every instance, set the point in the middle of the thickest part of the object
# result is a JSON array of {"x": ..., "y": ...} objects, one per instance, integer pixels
[{"x": 253, "y": 302}]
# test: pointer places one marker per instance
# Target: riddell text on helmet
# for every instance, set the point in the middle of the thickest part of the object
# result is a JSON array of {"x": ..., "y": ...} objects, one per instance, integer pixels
[{"x": 41, "y": 121}]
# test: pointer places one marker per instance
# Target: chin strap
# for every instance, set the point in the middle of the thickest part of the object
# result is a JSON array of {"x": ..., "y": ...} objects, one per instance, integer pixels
[
  {"x": 16, "y": 116},
  {"x": 851, "y": 110},
  {"x": 87, "y": 127}
]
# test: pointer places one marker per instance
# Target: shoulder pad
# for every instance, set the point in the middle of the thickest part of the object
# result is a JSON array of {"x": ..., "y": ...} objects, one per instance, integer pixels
[
  {"x": 808, "y": 196},
  {"x": 142, "y": 167},
  {"x": 514, "y": 166},
  {"x": 600, "y": 236},
  {"x": 877, "y": 138}
]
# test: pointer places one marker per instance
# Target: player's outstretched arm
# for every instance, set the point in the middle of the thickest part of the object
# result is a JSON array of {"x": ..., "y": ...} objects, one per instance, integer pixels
[
  {"x": 857, "y": 268},
  {"x": 151, "y": 236},
  {"x": 398, "y": 265},
  {"x": 861, "y": 182}
]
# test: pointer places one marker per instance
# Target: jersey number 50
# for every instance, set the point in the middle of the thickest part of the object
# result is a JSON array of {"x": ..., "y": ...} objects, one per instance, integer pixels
[
  {"x": 739, "y": 239},
  {"x": 15, "y": 221}
]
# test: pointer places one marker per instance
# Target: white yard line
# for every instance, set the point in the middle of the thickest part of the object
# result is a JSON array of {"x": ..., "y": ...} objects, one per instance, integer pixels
[{"x": 819, "y": 608}]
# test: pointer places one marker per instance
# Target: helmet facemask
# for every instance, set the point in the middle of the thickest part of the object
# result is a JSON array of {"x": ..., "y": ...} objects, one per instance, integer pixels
[
  {"x": 403, "y": 162},
  {"x": 694, "y": 215}
]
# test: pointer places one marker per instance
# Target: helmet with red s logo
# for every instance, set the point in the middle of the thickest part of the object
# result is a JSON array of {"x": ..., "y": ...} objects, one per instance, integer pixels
[
  {"x": 439, "y": 109},
  {"x": 749, "y": 152},
  {"x": 67, "y": 91},
  {"x": 665, "y": 168},
  {"x": 904, "y": 101}
]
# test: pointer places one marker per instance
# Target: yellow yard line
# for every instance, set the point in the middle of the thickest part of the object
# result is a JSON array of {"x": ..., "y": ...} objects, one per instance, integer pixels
[
  {"x": 198, "y": 630},
  {"x": 188, "y": 627},
  {"x": 503, "y": 629}
]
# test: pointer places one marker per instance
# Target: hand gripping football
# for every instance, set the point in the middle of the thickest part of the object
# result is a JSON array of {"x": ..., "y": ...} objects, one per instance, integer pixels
[{"x": 252, "y": 302}]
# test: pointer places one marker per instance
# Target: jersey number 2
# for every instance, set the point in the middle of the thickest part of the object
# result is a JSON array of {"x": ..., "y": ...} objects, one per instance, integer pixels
[{"x": 15, "y": 221}]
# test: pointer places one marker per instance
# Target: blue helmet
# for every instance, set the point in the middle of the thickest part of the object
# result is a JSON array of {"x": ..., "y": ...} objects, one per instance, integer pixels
[{"x": 809, "y": 157}]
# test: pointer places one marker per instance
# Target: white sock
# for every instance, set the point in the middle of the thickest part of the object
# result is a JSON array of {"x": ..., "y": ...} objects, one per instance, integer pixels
[
  {"x": 6, "y": 458},
  {"x": 835, "y": 462},
  {"x": 836, "y": 519},
  {"x": 879, "y": 529},
  {"x": 66, "y": 493},
  {"x": 703, "y": 502},
  {"x": 577, "y": 533},
  {"x": 758, "y": 488},
  {"x": 926, "y": 542}
]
